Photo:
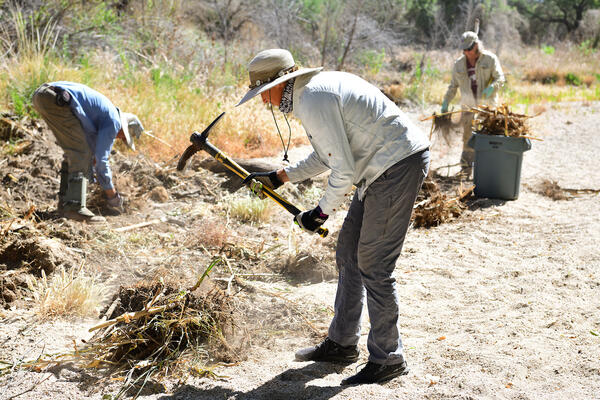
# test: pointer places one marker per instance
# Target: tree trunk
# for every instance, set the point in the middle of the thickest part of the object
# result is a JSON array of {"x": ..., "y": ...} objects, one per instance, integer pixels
[{"x": 350, "y": 37}]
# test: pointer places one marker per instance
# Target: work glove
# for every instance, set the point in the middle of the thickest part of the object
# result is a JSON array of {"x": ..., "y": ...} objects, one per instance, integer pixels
[
  {"x": 444, "y": 107},
  {"x": 487, "y": 92},
  {"x": 311, "y": 220},
  {"x": 256, "y": 180},
  {"x": 115, "y": 204}
]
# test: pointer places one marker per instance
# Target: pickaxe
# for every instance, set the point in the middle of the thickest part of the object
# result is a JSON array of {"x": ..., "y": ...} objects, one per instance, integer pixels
[{"x": 200, "y": 142}]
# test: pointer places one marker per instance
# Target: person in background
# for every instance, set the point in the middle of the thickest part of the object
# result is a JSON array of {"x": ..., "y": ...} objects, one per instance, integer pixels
[
  {"x": 85, "y": 124},
  {"x": 364, "y": 140},
  {"x": 478, "y": 74}
]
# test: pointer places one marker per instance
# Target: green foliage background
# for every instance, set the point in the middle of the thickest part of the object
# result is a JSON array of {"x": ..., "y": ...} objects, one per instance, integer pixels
[{"x": 177, "y": 63}]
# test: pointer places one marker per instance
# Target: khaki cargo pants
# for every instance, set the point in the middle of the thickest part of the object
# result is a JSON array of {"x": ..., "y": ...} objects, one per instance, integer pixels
[
  {"x": 66, "y": 128},
  {"x": 468, "y": 154}
]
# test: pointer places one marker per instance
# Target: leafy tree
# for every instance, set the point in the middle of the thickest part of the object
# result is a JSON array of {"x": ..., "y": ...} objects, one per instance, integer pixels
[{"x": 566, "y": 13}]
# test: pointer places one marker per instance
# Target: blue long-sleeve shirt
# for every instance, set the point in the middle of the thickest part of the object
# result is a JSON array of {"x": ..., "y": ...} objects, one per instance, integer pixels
[{"x": 101, "y": 122}]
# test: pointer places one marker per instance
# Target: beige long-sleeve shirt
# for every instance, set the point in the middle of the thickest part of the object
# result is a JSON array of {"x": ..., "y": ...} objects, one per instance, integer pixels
[{"x": 487, "y": 72}]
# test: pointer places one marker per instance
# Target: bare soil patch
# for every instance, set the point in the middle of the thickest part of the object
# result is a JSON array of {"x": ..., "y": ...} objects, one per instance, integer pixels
[{"x": 499, "y": 302}]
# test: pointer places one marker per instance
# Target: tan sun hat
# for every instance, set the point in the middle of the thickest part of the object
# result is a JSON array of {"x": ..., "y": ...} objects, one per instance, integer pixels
[
  {"x": 269, "y": 68},
  {"x": 467, "y": 39},
  {"x": 130, "y": 124}
]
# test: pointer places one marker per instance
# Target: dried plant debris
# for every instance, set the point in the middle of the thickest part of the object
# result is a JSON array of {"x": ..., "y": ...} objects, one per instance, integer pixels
[
  {"x": 443, "y": 125},
  {"x": 304, "y": 267},
  {"x": 158, "y": 330},
  {"x": 551, "y": 189},
  {"x": 490, "y": 120},
  {"x": 435, "y": 207}
]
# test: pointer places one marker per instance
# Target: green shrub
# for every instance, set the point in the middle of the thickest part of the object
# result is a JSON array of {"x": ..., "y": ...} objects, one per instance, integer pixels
[
  {"x": 549, "y": 50},
  {"x": 586, "y": 47},
  {"x": 372, "y": 60},
  {"x": 573, "y": 79}
]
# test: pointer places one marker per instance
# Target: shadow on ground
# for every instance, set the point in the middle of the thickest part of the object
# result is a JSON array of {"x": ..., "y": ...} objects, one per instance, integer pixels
[{"x": 289, "y": 385}]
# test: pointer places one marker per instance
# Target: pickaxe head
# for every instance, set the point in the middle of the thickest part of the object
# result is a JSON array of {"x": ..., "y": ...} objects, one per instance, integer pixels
[{"x": 199, "y": 141}]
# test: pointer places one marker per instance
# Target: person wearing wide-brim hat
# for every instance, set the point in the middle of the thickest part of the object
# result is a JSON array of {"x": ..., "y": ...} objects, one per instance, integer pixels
[
  {"x": 364, "y": 140},
  {"x": 478, "y": 74},
  {"x": 85, "y": 124}
]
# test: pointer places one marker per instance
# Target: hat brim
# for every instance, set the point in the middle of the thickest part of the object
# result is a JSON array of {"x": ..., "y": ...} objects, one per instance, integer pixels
[
  {"x": 125, "y": 128},
  {"x": 259, "y": 89}
]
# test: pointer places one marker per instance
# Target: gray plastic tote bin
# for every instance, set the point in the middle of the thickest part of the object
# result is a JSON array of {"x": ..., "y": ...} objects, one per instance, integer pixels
[{"x": 497, "y": 170}]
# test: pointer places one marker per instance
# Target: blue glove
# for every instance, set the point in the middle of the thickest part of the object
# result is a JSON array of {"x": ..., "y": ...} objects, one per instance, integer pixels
[
  {"x": 444, "y": 106},
  {"x": 311, "y": 220},
  {"x": 487, "y": 92}
]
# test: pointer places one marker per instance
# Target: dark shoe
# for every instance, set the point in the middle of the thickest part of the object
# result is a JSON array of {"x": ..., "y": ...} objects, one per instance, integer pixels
[
  {"x": 329, "y": 351},
  {"x": 377, "y": 373}
]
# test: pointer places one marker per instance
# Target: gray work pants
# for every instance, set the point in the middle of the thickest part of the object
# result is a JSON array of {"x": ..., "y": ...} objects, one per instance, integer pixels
[
  {"x": 368, "y": 246},
  {"x": 66, "y": 128}
]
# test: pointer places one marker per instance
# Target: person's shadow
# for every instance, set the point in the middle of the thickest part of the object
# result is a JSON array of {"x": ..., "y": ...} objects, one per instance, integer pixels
[{"x": 288, "y": 385}]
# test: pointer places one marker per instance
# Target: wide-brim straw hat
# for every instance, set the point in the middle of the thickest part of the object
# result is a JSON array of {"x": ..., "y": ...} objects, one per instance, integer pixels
[
  {"x": 130, "y": 124},
  {"x": 269, "y": 68}
]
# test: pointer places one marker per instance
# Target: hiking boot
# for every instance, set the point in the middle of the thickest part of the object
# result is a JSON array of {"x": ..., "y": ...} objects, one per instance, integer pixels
[
  {"x": 329, "y": 351},
  {"x": 377, "y": 373}
]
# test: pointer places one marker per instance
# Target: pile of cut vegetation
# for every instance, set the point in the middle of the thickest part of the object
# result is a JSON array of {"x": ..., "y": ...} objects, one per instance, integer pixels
[
  {"x": 434, "y": 206},
  {"x": 500, "y": 120},
  {"x": 156, "y": 330}
]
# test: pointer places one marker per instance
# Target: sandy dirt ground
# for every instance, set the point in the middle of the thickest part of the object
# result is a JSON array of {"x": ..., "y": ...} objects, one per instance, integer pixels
[{"x": 502, "y": 303}]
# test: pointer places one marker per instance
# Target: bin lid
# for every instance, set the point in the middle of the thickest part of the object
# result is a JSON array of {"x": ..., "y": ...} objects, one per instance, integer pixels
[{"x": 505, "y": 143}]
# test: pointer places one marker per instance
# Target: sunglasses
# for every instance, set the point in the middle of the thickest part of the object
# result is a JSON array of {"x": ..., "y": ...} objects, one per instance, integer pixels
[{"x": 471, "y": 47}]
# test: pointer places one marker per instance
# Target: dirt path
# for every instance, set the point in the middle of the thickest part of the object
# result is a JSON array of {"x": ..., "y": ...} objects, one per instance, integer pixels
[
  {"x": 497, "y": 305},
  {"x": 502, "y": 303}
]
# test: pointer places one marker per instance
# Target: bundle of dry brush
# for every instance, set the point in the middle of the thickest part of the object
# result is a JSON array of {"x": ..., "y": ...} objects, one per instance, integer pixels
[
  {"x": 487, "y": 120},
  {"x": 156, "y": 330},
  {"x": 500, "y": 120}
]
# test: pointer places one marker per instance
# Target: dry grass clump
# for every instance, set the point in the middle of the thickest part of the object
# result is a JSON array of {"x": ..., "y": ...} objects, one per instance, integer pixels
[
  {"x": 209, "y": 233},
  {"x": 66, "y": 294},
  {"x": 250, "y": 209},
  {"x": 543, "y": 74},
  {"x": 551, "y": 76},
  {"x": 302, "y": 266},
  {"x": 552, "y": 190}
]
